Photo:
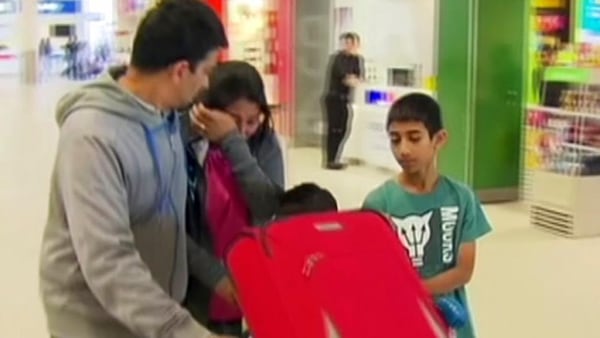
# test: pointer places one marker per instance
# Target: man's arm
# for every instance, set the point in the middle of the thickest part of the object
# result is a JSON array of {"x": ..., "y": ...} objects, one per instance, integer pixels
[
  {"x": 456, "y": 277},
  {"x": 362, "y": 72},
  {"x": 95, "y": 199},
  {"x": 205, "y": 267}
]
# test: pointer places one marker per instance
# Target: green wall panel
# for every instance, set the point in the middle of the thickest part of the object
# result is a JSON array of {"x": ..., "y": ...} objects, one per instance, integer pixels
[
  {"x": 481, "y": 79},
  {"x": 453, "y": 83},
  {"x": 499, "y": 92}
]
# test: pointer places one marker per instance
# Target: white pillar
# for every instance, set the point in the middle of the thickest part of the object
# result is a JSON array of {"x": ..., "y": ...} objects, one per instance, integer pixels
[{"x": 29, "y": 31}]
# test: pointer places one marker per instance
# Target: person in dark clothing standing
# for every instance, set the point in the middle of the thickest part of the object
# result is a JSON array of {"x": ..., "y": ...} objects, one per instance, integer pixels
[{"x": 344, "y": 73}]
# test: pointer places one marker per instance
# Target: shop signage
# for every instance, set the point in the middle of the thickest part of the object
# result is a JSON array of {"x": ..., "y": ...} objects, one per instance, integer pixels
[
  {"x": 591, "y": 16},
  {"x": 8, "y": 7},
  {"x": 379, "y": 98},
  {"x": 135, "y": 6},
  {"x": 59, "y": 6},
  {"x": 550, "y": 4}
]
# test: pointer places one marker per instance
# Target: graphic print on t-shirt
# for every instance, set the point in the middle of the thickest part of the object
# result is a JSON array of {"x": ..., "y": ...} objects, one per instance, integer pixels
[
  {"x": 414, "y": 232},
  {"x": 429, "y": 237}
]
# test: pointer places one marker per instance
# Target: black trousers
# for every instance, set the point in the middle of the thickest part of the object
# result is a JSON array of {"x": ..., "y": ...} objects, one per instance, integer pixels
[
  {"x": 337, "y": 115},
  {"x": 229, "y": 329}
]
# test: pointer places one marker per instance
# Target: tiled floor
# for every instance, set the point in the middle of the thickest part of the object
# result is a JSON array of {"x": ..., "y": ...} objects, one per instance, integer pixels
[{"x": 528, "y": 284}]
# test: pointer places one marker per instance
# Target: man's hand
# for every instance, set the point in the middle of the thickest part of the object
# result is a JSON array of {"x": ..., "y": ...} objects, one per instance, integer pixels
[
  {"x": 226, "y": 290},
  {"x": 212, "y": 124},
  {"x": 352, "y": 81}
]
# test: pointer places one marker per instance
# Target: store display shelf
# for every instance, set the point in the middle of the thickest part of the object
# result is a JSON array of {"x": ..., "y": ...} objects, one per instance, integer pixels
[
  {"x": 583, "y": 148},
  {"x": 571, "y": 74},
  {"x": 563, "y": 112},
  {"x": 565, "y": 205}
]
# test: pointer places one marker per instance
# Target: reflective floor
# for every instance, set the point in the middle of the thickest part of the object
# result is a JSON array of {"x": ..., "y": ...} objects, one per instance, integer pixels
[{"x": 528, "y": 284}]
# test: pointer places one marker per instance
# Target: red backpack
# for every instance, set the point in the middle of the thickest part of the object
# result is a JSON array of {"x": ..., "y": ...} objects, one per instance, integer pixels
[{"x": 331, "y": 275}]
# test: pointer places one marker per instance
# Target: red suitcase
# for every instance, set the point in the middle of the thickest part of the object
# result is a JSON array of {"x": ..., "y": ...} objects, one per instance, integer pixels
[{"x": 331, "y": 275}]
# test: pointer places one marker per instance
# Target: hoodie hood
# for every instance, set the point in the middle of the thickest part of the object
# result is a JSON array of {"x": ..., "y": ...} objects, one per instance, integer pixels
[{"x": 106, "y": 95}]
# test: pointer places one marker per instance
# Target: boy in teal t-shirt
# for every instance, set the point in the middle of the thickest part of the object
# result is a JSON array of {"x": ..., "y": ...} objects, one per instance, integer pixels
[{"x": 438, "y": 220}]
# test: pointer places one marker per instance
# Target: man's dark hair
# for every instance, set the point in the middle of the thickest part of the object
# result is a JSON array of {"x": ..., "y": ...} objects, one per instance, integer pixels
[
  {"x": 235, "y": 80},
  {"x": 306, "y": 198},
  {"x": 176, "y": 30},
  {"x": 417, "y": 107},
  {"x": 350, "y": 36}
]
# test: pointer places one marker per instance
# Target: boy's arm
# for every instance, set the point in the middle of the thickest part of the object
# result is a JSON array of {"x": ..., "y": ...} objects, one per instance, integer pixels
[
  {"x": 456, "y": 277},
  {"x": 476, "y": 225}
]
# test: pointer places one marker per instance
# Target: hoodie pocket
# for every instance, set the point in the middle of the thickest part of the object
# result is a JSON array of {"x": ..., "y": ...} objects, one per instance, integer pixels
[{"x": 156, "y": 242}]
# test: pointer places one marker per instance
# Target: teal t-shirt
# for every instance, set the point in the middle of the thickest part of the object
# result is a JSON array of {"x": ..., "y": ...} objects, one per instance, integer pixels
[{"x": 433, "y": 226}]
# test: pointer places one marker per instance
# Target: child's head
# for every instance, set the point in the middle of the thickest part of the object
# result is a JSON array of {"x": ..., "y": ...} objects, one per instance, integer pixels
[
  {"x": 306, "y": 198},
  {"x": 237, "y": 88},
  {"x": 416, "y": 132}
]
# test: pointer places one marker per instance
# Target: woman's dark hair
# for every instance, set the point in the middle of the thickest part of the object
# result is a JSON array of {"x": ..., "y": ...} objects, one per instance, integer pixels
[{"x": 235, "y": 80}]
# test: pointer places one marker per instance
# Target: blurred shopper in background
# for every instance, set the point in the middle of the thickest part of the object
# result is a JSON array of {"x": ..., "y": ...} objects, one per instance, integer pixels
[
  {"x": 71, "y": 48},
  {"x": 344, "y": 74},
  {"x": 114, "y": 257},
  {"x": 45, "y": 57}
]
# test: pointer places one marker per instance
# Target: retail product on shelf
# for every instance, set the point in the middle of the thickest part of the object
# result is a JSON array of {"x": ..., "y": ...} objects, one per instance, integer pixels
[
  {"x": 563, "y": 141},
  {"x": 563, "y": 154}
]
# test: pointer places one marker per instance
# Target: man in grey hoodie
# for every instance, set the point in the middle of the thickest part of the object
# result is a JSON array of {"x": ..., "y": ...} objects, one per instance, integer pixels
[{"x": 114, "y": 253}]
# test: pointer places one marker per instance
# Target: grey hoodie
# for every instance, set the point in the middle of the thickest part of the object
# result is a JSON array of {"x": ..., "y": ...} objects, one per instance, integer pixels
[{"x": 113, "y": 260}]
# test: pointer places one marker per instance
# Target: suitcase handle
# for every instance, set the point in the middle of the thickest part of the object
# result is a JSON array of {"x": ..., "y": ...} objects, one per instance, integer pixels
[{"x": 260, "y": 234}]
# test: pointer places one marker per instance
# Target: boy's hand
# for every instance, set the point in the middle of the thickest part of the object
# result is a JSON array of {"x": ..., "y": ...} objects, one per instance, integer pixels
[
  {"x": 456, "y": 277},
  {"x": 212, "y": 124},
  {"x": 226, "y": 290}
]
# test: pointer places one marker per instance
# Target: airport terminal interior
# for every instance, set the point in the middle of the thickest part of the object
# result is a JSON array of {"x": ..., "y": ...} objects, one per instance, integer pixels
[{"x": 537, "y": 274}]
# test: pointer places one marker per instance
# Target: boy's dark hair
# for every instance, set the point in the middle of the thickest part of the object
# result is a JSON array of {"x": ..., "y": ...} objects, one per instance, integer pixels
[
  {"x": 234, "y": 80},
  {"x": 176, "y": 30},
  {"x": 417, "y": 107},
  {"x": 306, "y": 198}
]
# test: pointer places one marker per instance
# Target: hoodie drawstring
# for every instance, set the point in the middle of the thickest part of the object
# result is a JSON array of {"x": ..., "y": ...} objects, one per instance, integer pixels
[{"x": 171, "y": 125}]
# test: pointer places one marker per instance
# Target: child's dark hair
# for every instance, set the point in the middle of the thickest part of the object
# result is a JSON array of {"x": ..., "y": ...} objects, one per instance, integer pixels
[
  {"x": 417, "y": 107},
  {"x": 235, "y": 80},
  {"x": 306, "y": 198}
]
